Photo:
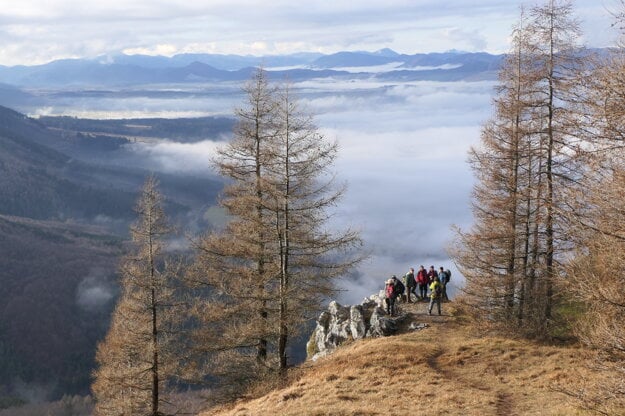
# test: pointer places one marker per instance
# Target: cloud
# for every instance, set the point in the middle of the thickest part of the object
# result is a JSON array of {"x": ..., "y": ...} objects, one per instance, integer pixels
[
  {"x": 37, "y": 31},
  {"x": 402, "y": 151},
  {"x": 96, "y": 290},
  {"x": 472, "y": 40},
  {"x": 170, "y": 157}
]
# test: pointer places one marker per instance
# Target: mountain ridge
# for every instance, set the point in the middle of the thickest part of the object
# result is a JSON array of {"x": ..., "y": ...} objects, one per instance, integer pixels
[{"x": 123, "y": 70}]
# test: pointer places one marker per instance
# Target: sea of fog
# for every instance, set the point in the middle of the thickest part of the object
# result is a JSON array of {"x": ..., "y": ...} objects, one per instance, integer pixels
[{"x": 403, "y": 153}]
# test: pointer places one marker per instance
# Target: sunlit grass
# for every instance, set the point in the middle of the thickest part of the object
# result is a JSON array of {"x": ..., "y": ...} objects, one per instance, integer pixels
[{"x": 447, "y": 369}]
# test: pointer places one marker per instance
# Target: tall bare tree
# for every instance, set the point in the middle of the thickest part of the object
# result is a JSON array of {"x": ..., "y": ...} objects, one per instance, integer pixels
[
  {"x": 555, "y": 34},
  {"x": 138, "y": 357},
  {"x": 302, "y": 191},
  {"x": 597, "y": 226},
  {"x": 488, "y": 255},
  {"x": 526, "y": 159},
  {"x": 277, "y": 258},
  {"x": 235, "y": 264}
]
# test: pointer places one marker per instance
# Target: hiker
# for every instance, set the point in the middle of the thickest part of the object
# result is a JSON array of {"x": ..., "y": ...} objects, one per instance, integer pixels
[
  {"x": 423, "y": 281},
  {"x": 436, "y": 295},
  {"x": 400, "y": 289},
  {"x": 444, "y": 276},
  {"x": 389, "y": 300},
  {"x": 432, "y": 274},
  {"x": 411, "y": 283}
]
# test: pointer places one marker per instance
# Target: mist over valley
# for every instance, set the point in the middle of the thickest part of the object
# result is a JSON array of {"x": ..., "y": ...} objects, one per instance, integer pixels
[
  {"x": 403, "y": 128},
  {"x": 403, "y": 123}
]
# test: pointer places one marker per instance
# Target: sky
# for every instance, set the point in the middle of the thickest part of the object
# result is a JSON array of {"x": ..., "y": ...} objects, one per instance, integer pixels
[{"x": 39, "y": 31}]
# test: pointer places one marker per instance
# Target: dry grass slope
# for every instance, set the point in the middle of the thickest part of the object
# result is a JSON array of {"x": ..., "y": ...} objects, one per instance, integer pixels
[{"x": 446, "y": 369}]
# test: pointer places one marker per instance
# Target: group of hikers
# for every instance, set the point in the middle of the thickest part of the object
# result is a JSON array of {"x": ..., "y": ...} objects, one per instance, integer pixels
[{"x": 435, "y": 281}]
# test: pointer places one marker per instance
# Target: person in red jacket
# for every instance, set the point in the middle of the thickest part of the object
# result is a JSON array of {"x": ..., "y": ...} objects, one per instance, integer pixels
[{"x": 423, "y": 281}]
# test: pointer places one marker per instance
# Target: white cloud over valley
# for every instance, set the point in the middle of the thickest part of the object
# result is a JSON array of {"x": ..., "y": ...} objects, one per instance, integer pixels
[
  {"x": 171, "y": 157},
  {"x": 403, "y": 150}
]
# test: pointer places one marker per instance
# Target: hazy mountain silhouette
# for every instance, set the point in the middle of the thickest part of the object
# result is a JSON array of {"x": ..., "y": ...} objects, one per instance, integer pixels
[{"x": 139, "y": 69}]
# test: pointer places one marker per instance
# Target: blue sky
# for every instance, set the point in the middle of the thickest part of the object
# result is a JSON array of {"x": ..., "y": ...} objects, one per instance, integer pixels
[{"x": 38, "y": 31}]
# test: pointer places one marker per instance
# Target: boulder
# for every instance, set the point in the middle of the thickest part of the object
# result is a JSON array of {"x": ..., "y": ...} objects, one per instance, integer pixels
[
  {"x": 339, "y": 324},
  {"x": 417, "y": 327},
  {"x": 357, "y": 323},
  {"x": 380, "y": 324},
  {"x": 334, "y": 327}
]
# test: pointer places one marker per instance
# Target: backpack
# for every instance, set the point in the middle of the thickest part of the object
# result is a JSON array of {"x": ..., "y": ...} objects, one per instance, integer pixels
[
  {"x": 389, "y": 291},
  {"x": 410, "y": 280},
  {"x": 438, "y": 290},
  {"x": 399, "y": 288},
  {"x": 448, "y": 275}
]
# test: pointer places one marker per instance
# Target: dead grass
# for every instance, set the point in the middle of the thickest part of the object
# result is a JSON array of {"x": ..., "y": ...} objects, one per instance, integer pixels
[{"x": 446, "y": 369}]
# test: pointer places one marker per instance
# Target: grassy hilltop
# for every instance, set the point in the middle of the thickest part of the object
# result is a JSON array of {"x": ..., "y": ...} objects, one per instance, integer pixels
[{"x": 449, "y": 368}]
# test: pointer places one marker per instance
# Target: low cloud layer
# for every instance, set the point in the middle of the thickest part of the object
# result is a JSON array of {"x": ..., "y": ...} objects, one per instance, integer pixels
[
  {"x": 404, "y": 157},
  {"x": 402, "y": 151},
  {"x": 185, "y": 158}
]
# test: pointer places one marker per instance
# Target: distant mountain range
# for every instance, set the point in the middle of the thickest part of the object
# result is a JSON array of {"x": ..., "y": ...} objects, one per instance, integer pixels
[{"x": 124, "y": 70}]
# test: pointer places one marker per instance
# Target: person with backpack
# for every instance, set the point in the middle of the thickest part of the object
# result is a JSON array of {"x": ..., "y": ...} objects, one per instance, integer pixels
[
  {"x": 436, "y": 295},
  {"x": 411, "y": 284},
  {"x": 400, "y": 288},
  {"x": 390, "y": 296},
  {"x": 422, "y": 281},
  {"x": 444, "y": 276}
]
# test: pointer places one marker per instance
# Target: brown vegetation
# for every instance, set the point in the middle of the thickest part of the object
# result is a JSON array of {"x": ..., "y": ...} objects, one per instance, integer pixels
[
  {"x": 549, "y": 220},
  {"x": 139, "y": 355},
  {"x": 446, "y": 369},
  {"x": 524, "y": 165},
  {"x": 267, "y": 272}
]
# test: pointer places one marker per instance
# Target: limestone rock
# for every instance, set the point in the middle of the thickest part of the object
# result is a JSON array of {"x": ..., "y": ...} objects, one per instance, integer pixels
[
  {"x": 357, "y": 323},
  {"x": 417, "y": 327},
  {"x": 381, "y": 325},
  {"x": 339, "y": 324}
]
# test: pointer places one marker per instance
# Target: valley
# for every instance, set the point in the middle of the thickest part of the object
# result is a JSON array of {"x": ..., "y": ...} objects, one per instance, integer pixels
[{"x": 75, "y": 156}]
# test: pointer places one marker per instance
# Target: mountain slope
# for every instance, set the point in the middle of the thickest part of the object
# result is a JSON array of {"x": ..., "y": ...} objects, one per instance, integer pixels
[
  {"x": 62, "y": 225},
  {"x": 57, "y": 287},
  {"x": 446, "y": 369},
  {"x": 39, "y": 182}
]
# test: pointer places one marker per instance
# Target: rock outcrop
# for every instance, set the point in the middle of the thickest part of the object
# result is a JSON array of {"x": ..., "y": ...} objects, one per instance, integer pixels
[{"x": 339, "y": 324}]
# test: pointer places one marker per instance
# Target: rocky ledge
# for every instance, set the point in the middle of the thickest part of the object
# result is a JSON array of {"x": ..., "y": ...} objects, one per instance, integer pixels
[{"x": 339, "y": 324}]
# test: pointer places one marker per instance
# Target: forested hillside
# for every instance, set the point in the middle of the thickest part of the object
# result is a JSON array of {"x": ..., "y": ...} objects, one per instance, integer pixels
[
  {"x": 57, "y": 287},
  {"x": 63, "y": 221},
  {"x": 183, "y": 130},
  {"x": 39, "y": 182}
]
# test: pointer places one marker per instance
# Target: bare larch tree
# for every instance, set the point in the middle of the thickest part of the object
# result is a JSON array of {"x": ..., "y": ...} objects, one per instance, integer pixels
[
  {"x": 138, "y": 357},
  {"x": 277, "y": 258}
]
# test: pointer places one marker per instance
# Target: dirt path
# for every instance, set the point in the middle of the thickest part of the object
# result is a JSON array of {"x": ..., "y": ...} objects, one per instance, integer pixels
[{"x": 417, "y": 312}]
